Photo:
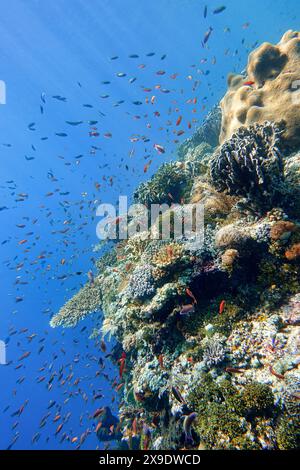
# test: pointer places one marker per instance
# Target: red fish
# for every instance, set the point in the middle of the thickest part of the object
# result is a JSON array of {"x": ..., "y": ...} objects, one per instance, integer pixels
[
  {"x": 221, "y": 307},
  {"x": 179, "y": 121},
  {"x": 122, "y": 361},
  {"x": 161, "y": 361},
  {"x": 250, "y": 83},
  {"x": 146, "y": 167}
]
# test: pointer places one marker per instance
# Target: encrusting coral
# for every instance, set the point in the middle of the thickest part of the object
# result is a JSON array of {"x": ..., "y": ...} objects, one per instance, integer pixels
[
  {"x": 208, "y": 336},
  {"x": 269, "y": 89}
]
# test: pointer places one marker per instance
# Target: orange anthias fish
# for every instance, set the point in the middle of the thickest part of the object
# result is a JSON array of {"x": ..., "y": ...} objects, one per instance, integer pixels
[
  {"x": 191, "y": 295},
  {"x": 122, "y": 361},
  {"x": 146, "y": 167},
  {"x": 178, "y": 120},
  {"x": 134, "y": 427},
  {"x": 221, "y": 307},
  {"x": 161, "y": 361}
]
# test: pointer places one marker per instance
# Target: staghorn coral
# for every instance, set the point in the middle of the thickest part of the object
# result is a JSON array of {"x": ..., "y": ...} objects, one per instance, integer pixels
[
  {"x": 268, "y": 89},
  {"x": 250, "y": 163}
]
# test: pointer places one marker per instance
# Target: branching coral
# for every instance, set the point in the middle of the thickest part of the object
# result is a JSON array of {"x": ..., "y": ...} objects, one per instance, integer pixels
[
  {"x": 250, "y": 163},
  {"x": 214, "y": 352}
]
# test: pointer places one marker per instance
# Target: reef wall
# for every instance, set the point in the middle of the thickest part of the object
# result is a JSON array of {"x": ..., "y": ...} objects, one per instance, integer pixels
[{"x": 208, "y": 339}]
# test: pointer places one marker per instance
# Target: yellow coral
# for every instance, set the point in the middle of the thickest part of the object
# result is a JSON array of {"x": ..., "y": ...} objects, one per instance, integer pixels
[{"x": 269, "y": 90}]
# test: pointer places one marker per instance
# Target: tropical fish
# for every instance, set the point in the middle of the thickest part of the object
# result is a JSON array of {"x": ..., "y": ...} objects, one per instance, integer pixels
[
  {"x": 221, "y": 307},
  {"x": 122, "y": 362},
  {"x": 159, "y": 148},
  {"x": 178, "y": 122},
  {"x": 219, "y": 10},
  {"x": 161, "y": 361},
  {"x": 207, "y": 35},
  {"x": 186, "y": 309}
]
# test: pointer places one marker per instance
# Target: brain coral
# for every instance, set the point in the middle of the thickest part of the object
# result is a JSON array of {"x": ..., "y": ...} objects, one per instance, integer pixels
[{"x": 270, "y": 90}]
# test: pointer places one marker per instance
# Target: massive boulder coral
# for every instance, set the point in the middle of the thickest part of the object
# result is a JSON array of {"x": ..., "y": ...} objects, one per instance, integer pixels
[
  {"x": 269, "y": 89},
  {"x": 250, "y": 163}
]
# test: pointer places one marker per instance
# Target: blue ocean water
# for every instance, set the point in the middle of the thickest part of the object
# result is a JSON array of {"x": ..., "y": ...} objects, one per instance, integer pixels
[{"x": 55, "y": 59}]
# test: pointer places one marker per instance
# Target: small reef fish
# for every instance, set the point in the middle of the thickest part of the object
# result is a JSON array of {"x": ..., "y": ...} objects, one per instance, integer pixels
[
  {"x": 161, "y": 361},
  {"x": 249, "y": 83},
  {"x": 219, "y": 10},
  {"x": 207, "y": 35},
  {"x": 186, "y": 309},
  {"x": 221, "y": 307},
  {"x": 159, "y": 148},
  {"x": 178, "y": 122},
  {"x": 122, "y": 362},
  {"x": 234, "y": 370}
]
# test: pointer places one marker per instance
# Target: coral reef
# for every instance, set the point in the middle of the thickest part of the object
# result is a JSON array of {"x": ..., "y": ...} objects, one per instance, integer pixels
[
  {"x": 270, "y": 88},
  {"x": 209, "y": 337}
]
